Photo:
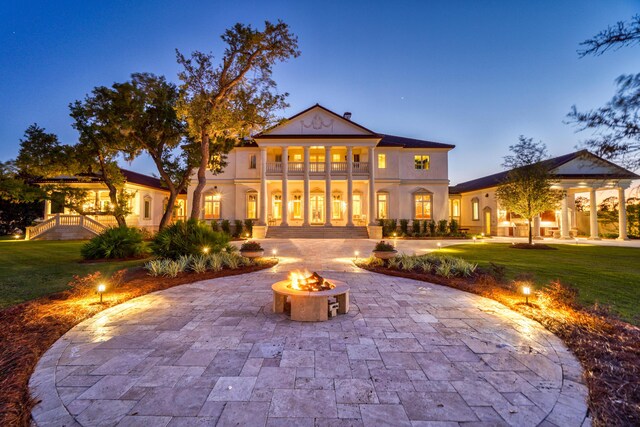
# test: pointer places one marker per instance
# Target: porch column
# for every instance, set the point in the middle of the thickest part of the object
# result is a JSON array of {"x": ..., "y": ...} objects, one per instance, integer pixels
[
  {"x": 536, "y": 228},
  {"x": 593, "y": 215},
  {"x": 263, "y": 186},
  {"x": 622, "y": 215},
  {"x": 285, "y": 193},
  {"x": 564, "y": 217},
  {"x": 327, "y": 186},
  {"x": 349, "y": 186},
  {"x": 372, "y": 188},
  {"x": 47, "y": 208},
  {"x": 307, "y": 186}
]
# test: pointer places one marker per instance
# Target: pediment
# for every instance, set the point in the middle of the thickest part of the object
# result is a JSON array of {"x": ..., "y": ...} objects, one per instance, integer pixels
[
  {"x": 588, "y": 164},
  {"x": 318, "y": 120}
]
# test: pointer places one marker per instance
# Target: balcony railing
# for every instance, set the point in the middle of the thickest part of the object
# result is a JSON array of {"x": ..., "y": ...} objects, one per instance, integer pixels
[{"x": 358, "y": 168}]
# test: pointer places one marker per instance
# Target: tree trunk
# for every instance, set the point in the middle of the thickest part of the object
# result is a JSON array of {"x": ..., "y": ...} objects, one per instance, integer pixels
[
  {"x": 530, "y": 231},
  {"x": 202, "y": 178},
  {"x": 168, "y": 213},
  {"x": 117, "y": 212}
]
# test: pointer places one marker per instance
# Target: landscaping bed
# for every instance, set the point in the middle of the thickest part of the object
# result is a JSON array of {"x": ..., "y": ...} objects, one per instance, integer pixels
[
  {"x": 28, "y": 330},
  {"x": 607, "y": 347}
]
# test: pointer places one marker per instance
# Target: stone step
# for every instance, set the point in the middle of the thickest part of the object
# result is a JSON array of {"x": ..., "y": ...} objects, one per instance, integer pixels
[
  {"x": 317, "y": 232},
  {"x": 66, "y": 233}
]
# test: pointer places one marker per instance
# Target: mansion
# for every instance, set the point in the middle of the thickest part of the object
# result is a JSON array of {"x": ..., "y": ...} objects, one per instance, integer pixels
[{"x": 320, "y": 174}]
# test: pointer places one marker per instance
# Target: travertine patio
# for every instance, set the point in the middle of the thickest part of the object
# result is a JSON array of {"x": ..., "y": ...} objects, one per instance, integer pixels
[{"x": 407, "y": 353}]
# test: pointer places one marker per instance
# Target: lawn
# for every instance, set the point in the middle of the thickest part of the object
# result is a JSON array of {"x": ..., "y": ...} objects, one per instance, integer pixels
[
  {"x": 30, "y": 269},
  {"x": 604, "y": 274}
]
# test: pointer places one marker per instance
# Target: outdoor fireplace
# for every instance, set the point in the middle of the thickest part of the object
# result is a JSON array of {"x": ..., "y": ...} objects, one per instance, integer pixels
[{"x": 310, "y": 296}]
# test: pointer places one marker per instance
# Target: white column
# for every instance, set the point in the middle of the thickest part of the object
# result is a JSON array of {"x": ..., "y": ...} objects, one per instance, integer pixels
[
  {"x": 307, "y": 187},
  {"x": 349, "y": 186},
  {"x": 263, "y": 186},
  {"x": 593, "y": 215},
  {"x": 47, "y": 208},
  {"x": 327, "y": 186},
  {"x": 372, "y": 188},
  {"x": 564, "y": 217},
  {"x": 285, "y": 192},
  {"x": 622, "y": 215},
  {"x": 536, "y": 227}
]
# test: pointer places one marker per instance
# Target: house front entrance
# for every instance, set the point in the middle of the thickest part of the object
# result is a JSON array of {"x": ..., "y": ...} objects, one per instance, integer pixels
[{"x": 317, "y": 208}]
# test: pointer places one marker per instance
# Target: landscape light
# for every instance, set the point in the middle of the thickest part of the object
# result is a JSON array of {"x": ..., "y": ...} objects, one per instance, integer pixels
[
  {"x": 16, "y": 236},
  {"x": 439, "y": 245},
  {"x": 101, "y": 289},
  {"x": 482, "y": 234},
  {"x": 395, "y": 235},
  {"x": 356, "y": 253},
  {"x": 205, "y": 250},
  {"x": 474, "y": 239},
  {"x": 526, "y": 291},
  {"x": 274, "y": 252},
  {"x": 576, "y": 240}
]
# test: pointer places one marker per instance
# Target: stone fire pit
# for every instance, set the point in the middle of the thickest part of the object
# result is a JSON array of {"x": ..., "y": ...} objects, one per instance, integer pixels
[{"x": 309, "y": 296}]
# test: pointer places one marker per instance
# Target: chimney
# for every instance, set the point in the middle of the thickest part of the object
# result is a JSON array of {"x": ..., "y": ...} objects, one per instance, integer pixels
[{"x": 347, "y": 115}]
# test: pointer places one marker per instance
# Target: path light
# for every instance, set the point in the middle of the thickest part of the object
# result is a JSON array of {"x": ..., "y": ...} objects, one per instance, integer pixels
[
  {"x": 101, "y": 289},
  {"x": 474, "y": 240},
  {"x": 356, "y": 253},
  {"x": 205, "y": 250},
  {"x": 274, "y": 252},
  {"x": 16, "y": 236},
  {"x": 482, "y": 234},
  {"x": 439, "y": 245},
  {"x": 576, "y": 240},
  {"x": 526, "y": 290}
]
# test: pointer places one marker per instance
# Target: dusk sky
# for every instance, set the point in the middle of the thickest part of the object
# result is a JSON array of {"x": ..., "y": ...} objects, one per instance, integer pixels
[{"x": 472, "y": 73}]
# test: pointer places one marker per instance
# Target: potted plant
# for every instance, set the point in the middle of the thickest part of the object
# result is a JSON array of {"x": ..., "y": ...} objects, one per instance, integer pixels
[
  {"x": 251, "y": 250},
  {"x": 384, "y": 250}
]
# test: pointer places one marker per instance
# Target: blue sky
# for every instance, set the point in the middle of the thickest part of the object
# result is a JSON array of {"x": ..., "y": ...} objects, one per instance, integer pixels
[{"x": 473, "y": 73}]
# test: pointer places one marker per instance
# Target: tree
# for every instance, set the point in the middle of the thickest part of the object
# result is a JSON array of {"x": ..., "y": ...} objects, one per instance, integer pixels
[
  {"x": 222, "y": 105},
  {"x": 141, "y": 117},
  {"x": 616, "y": 126},
  {"x": 526, "y": 190}
]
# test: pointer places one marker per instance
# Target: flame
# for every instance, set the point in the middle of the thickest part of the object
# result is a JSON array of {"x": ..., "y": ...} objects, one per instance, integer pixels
[{"x": 298, "y": 278}]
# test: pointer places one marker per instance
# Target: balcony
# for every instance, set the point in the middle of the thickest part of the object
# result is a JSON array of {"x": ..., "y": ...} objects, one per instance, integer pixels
[{"x": 315, "y": 168}]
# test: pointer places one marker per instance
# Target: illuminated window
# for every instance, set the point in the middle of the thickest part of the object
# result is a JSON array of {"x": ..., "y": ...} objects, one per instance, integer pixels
[
  {"x": 178, "y": 209},
  {"x": 382, "y": 161},
  {"x": 252, "y": 161},
  {"x": 383, "y": 205},
  {"x": 212, "y": 206},
  {"x": 422, "y": 202},
  {"x": 146, "y": 207},
  {"x": 336, "y": 207},
  {"x": 421, "y": 162},
  {"x": 277, "y": 206},
  {"x": 252, "y": 205},
  {"x": 475, "y": 209},
  {"x": 357, "y": 205},
  {"x": 297, "y": 157},
  {"x": 297, "y": 207},
  {"x": 455, "y": 208},
  {"x": 335, "y": 157}
]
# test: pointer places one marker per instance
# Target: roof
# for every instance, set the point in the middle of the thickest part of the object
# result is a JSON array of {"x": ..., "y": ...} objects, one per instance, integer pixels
[
  {"x": 402, "y": 142},
  {"x": 550, "y": 164},
  {"x": 130, "y": 176}
]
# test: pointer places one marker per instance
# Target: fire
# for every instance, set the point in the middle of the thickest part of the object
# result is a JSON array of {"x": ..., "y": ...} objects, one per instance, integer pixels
[
  {"x": 299, "y": 278},
  {"x": 306, "y": 281}
]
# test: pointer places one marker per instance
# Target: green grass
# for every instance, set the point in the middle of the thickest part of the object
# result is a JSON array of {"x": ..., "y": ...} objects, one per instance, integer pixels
[
  {"x": 30, "y": 269},
  {"x": 604, "y": 274}
]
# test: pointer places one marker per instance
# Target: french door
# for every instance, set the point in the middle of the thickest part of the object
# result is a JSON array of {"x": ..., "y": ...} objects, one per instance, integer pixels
[{"x": 317, "y": 209}]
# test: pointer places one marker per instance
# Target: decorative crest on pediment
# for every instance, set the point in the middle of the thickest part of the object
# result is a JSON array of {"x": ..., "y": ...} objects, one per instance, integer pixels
[{"x": 316, "y": 123}]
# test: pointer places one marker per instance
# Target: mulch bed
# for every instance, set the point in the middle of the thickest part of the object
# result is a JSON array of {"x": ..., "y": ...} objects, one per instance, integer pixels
[
  {"x": 607, "y": 348},
  {"x": 534, "y": 246},
  {"x": 28, "y": 330}
]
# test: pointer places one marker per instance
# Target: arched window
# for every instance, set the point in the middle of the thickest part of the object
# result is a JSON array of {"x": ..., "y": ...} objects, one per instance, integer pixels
[
  {"x": 146, "y": 207},
  {"x": 455, "y": 208},
  {"x": 296, "y": 206},
  {"x": 252, "y": 204},
  {"x": 475, "y": 209},
  {"x": 276, "y": 205},
  {"x": 422, "y": 206},
  {"x": 337, "y": 205}
]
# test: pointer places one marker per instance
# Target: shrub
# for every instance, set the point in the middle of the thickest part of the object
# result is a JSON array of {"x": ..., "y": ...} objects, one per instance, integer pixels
[
  {"x": 432, "y": 227},
  {"x": 187, "y": 238},
  {"x": 251, "y": 247},
  {"x": 393, "y": 226},
  {"x": 231, "y": 260},
  {"x": 237, "y": 228},
  {"x": 199, "y": 263},
  {"x": 442, "y": 226},
  {"x": 454, "y": 227},
  {"x": 215, "y": 262},
  {"x": 215, "y": 226},
  {"x": 404, "y": 227},
  {"x": 226, "y": 227},
  {"x": 425, "y": 227},
  {"x": 154, "y": 267},
  {"x": 415, "y": 227},
  {"x": 248, "y": 226},
  {"x": 115, "y": 242},
  {"x": 383, "y": 246}
]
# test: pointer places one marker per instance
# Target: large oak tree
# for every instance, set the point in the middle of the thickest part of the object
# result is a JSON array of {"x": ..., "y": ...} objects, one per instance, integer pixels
[{"x": 223, "y": 104}]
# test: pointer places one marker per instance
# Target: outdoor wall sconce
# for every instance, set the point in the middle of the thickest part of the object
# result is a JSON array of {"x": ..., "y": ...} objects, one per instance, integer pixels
[
  {"x": 101, "y": 289},
  {"x": 526, "y": 290}
]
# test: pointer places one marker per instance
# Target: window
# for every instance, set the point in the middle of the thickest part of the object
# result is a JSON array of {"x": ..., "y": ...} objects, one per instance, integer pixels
[
  {"x": 422, "y": 202},
  {"x": 357, "y": 205},
  {"x": 382, "y": 161},
  {"x": 212, "y": 206},
  {"x": 336, "y": 207},
  {"x": 455, "y": 208},
  {"x": 277, "y": 206},
  {"x": 252, "y": 161},
  {"x": 178, "y": 209},
  {"x": 421, "y": 162},
  {"x": 279, "y": 158},
  {"x": 335, "y": 157},
  {"x": 475, "y": 209},
  {"x": 383, "y": 205},
  {"x": 356, "y": 158},
  {"x": 297, "y": 157},
  {"x": 297, "y": 206},
  {"x": 146, "y": 208},
  {"x": 252, "y": 205}
]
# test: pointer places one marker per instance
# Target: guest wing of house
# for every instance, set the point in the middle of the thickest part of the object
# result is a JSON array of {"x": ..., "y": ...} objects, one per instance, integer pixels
[{"x": 321, "y": 174}]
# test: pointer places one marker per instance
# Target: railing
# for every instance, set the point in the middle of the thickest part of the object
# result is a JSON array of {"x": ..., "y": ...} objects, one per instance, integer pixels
[
  {"x": 63, "y": 220},
  {"x": 358, "y": 168},
  {"x": 92, "y": 225},
  {"x": 40, "y": 228}
]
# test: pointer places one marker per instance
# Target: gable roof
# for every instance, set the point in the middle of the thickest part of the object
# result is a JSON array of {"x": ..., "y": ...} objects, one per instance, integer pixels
[
  {"x": 130, "y": 176},
  {"x": 402, "y": 142},
  {"x": 265, "y": 133},
  {"x": 550, "y": 164}
]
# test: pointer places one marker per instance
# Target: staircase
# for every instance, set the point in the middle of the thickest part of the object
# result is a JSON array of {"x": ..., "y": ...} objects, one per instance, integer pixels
[
  {"x": 317, "y": 232},
  {"x": 65, "y": 227}
]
